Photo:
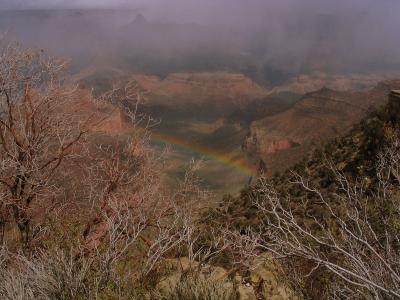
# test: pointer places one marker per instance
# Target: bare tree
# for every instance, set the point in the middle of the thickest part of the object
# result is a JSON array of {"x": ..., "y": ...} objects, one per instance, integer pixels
[
  {"x": 40, "y": 126},
  {"x": 136, "y": 214},
  {"x": 356, "y": 238},
  {"x": 133, "y": 220},
  {"x": 132, "y": 210}
]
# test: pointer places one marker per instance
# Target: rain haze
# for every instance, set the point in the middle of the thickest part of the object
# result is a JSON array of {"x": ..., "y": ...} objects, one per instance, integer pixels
[{"x": 282, "y": 38}]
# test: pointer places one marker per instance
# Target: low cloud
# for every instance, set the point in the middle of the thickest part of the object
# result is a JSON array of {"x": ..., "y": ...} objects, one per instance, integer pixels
[{"x": 290, "y": 35}]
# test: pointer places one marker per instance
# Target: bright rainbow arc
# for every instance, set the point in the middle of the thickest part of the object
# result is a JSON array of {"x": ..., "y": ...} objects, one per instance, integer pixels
[{"x": 208, "y": 152}]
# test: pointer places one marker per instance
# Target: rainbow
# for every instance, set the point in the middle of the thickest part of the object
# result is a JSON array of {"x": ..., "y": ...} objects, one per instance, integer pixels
[{"x": 204, "y": 151}]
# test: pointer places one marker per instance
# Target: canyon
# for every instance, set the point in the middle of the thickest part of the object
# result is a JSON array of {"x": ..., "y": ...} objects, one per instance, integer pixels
[{"x": 232, "y": 115}]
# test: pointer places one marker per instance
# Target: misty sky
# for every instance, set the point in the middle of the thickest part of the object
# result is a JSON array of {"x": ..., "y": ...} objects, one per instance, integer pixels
[
  {"x": 221, "y": 10},
  {"x": 285, "y": 33}
]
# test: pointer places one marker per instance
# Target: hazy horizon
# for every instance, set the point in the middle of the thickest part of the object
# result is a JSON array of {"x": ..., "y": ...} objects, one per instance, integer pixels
[
  {"x": 206, "y": 10},
  {"x": 286, "y": 36}
]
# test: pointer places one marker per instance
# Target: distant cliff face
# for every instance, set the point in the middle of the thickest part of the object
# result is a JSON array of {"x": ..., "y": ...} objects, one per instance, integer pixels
[
  {"x": 281, "y": 140},
  {"x": 213, "y": 90},
  {"x": 103, "y": 117},
  {"x": 307, "y": 83},
  {"x": 255, "y": 143}
]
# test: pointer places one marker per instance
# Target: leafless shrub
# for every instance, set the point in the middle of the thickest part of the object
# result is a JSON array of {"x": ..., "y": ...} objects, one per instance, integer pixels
[
  {"x": 147, "y": 221},
  {"x": 200, "y": 288},
  {"x": 356, "y": 238},
  {"x": 48, "y": 275},
  {"x": 133, "y": 215}
]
